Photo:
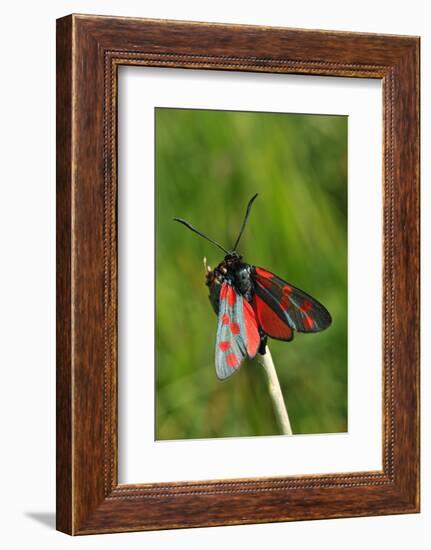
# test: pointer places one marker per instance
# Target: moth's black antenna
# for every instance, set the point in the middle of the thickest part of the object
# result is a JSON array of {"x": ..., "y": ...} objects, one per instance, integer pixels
[
  {"x": 245, "y": 219},
  {"x": 187, "y": 224}
]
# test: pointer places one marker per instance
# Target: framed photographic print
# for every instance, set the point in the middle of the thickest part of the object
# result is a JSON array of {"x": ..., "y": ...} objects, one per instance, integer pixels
[{"x": 237, "y": 274}]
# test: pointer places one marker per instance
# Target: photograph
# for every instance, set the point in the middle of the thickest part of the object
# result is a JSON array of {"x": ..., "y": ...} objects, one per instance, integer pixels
[{"x": 251, "y": 273}]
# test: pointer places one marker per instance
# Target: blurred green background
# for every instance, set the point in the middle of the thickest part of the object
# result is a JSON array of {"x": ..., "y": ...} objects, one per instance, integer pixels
[{"x": 208, "y": 165}]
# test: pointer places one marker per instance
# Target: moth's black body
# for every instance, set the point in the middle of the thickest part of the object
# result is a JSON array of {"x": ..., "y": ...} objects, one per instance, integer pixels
[{"x": 236, "y": 272}]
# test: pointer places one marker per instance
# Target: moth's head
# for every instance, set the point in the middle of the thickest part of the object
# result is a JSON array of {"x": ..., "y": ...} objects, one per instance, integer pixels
[{"x": 232, "y": 257}]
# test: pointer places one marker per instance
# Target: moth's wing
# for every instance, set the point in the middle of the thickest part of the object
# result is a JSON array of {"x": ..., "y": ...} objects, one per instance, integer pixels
[
  {"x": 237, "y": 332},
  {"x": 249, "y": 327},
  {"x": 293, "y": 306},
  {"x": 269, "y": 317}
]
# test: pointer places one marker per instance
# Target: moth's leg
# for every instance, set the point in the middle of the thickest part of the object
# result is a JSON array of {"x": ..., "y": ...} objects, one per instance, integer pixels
[
  {"x": 263, "y": 341},
  {"x": 214, "y": 282}
]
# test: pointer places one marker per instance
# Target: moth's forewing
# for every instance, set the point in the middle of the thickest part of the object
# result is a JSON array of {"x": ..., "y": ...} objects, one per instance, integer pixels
[
  {"x": 237, "y": 332},
  {"x": 293, "y": 306}
]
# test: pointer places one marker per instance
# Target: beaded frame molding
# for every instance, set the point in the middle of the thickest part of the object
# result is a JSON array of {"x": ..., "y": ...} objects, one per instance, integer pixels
[{"x": 89, "y": 51}]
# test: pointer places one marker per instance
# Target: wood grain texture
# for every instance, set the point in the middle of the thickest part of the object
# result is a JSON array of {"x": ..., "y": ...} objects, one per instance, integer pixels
[
  {"x": 64, "y": 496},
  {"x": 90, "y": 49}
]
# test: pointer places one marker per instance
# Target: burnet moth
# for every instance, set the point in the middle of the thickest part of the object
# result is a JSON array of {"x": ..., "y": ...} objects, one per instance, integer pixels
[{"x": 251, "y": 304}]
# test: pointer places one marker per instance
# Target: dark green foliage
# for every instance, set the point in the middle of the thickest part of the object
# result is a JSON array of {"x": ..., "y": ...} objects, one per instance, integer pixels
[{"x": 208, "y": 165}]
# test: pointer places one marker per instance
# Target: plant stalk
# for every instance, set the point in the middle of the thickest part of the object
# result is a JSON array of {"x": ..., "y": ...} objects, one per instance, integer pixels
[{"x": 275, "y": 392}]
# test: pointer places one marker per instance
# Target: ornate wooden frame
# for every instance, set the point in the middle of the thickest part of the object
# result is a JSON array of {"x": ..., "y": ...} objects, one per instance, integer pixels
[{"x": 89, "y": 51}]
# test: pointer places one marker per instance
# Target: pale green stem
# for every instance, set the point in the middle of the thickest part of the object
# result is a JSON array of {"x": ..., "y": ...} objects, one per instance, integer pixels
[{"x": 275, "y": 392}]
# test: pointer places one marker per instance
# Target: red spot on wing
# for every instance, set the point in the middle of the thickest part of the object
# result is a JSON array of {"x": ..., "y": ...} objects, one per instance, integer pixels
[
  {"x": 252, "y": 338},
  {"x": 308, "y": 321},
  {"x": 264, "y": 273},
  {"x": 286, "y": 290},
  {"x": 225, "y": 319},
  {"x": 306, "y": 306},
  {"x": 224, "y": 345},
  {"x": 271, "y": 324},
  {"x": 232, "y": 360},
  {"x": 266, "y": 283},
  {"x": 231, "y": 296},
  {"x": 284, "y": 302},
  {"x": 234, "y": 327},
  {"x": 223, "y": 291}
]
